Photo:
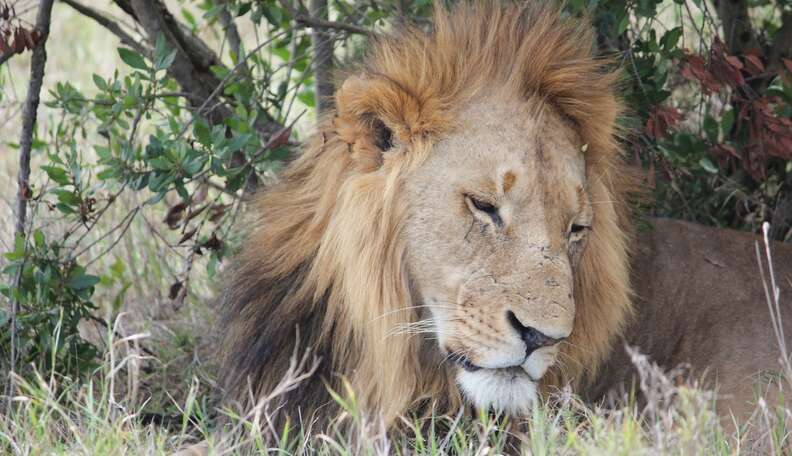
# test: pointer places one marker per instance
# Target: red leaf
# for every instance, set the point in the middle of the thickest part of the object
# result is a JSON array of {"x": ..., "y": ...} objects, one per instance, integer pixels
[
  {"x": 755, "y": 64},
  {"x": 734, "y": 61},
  {"x": 787, "y": 64},
  {"x": 661, "y": 121},
  {"x": 280, "y": 138},
  {"x": 19, "y": 41},
  {"x": 217, "y": 212},
  {"x": 30, "y": 43}
]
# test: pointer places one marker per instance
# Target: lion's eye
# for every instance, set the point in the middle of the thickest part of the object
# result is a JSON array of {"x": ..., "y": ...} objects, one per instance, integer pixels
[{"x": 486, "y": 208}]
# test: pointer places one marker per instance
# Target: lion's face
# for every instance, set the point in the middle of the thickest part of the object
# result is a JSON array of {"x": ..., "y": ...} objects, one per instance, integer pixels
[{"x": 498, "y": 216}]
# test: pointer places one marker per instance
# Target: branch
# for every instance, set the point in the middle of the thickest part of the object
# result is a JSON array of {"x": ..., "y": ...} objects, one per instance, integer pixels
[
  {"x": 109, "y": 24},
  {"x": 192, "y": 66},
  {"x": 782, "y": 42},
  {"x": 737, "y": 30},
  {"x": 309, "y": 21},
  {"x": 235, "y": 43},
  {"x": 323, "y": 58},
  {"x": 232, "y": 35},
  {"x": 38, "y": 62},
  {"x": 193, "y": 61}
]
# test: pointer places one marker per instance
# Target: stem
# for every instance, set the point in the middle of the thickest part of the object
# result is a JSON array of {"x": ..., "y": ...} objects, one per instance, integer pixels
[{"x": 37, "y": 64}]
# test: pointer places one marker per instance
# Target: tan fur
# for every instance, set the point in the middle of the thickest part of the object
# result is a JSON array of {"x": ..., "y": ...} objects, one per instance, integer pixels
[
  {"x": 701, "y": 303},
  {"x": 328, "y": 250}
]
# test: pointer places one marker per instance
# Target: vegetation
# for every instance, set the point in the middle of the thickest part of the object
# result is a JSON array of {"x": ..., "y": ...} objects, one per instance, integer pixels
[{"x": 158, "y": 117}]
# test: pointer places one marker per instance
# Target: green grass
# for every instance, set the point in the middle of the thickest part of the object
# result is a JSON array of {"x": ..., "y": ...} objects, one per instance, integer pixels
[{"x": 113, "y": 413}]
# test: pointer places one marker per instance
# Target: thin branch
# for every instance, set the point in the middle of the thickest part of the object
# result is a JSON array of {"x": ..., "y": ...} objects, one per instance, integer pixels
[
  {"x": 309, "y": 21},
  {"x": 737, "y": 30},
  {"x": 782, "y": 42},
  {"x": 38, "y": 63},
  {"x": 323, "y": 58},
  {"x": 109, "y": 24},
  {"x": 232, "y": 34},
  {"x": 221, "y": 85},
  {"x": 193, "y": 59}
]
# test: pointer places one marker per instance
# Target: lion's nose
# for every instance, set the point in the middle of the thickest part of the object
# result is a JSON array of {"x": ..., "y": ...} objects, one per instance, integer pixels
[{"x": 532, "y": 337}]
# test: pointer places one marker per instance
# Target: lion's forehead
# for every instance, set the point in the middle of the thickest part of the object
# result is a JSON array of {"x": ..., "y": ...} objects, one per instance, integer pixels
[
  {"x": 523, "y": 154},
  {"x": 513, "y": 138}
]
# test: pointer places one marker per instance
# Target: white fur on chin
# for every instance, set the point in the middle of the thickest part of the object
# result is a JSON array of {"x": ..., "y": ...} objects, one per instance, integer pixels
[
  {"x": 508, "y": 391},
  {"x": 499, "y": 389}
]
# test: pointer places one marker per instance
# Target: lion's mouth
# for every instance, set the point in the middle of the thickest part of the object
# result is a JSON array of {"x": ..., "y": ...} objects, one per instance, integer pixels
[{"x": 514, "y": 372}]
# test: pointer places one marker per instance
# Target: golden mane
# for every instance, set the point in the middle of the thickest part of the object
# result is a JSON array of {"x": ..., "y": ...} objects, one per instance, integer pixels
[{"x": 324, "y": 252}]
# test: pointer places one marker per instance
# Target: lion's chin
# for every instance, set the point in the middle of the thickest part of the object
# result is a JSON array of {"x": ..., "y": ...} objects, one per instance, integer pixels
[{"x": 510, "y": 391}]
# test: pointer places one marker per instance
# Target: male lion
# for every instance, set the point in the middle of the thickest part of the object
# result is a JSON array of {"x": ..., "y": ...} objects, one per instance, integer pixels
[{"x": 457, "y": 230}]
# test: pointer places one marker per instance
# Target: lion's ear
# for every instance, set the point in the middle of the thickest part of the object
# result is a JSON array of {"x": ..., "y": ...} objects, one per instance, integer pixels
[
  {"x": 365, "y": 100},
  {"x": 381, "y": 135},
  {"x": 367, "y": 118}
]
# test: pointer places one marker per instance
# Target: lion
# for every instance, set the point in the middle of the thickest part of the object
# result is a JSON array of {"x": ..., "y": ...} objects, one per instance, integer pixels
[
  {"x": 457, "y": 226},
  {"x": 458, "y": 231}
]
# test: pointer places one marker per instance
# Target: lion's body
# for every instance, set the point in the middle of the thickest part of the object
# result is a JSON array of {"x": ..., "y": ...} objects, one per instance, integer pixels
[{"x": 700, "y": 302}]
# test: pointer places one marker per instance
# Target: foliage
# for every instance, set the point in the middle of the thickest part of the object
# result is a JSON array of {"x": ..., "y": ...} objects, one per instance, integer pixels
[{"x": 711, "y": 122}]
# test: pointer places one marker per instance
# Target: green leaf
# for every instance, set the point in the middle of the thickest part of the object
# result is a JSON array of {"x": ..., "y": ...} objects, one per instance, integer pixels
[
  {"x": 711, "y": 128},
  {"x": 38, "y": 239},
  {"x": 82, "y": 281},
  {"x": 166, "y": 61},
  {"x": 708, "y": 166},
  {"x": 57, "y": 174},
  {"x": 727, "y": 120},
  {"x": 100, "y": 83},
  {"x": 67, "y": 197},
  {"x": 202, "y": 133},
  {"x": 238, "y": 142},
  {"x": 671, "y": 38},
  {"x": 132, "y": 58},
  {"x": 308, "y": 99},
  {"x": 188, "y": 16},
  {"x": 161, "y": 163}
]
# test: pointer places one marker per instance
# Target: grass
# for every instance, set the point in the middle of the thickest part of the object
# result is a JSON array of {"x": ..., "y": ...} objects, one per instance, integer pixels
[{"x": 110, "y": 414}]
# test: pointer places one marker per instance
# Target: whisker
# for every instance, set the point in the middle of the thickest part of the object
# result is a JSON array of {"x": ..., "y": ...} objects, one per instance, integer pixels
[{"x": 401, "y": 309}]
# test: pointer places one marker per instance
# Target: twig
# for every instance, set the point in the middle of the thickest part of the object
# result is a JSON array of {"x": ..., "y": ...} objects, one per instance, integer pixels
[
  {"x": 227, "y": 78},
  {"x": 314, "y": 22},
  {"x": 38, "y": 62},
  {"x": 99, "y": 321},
  {"x": 110, "y": 25},
  {"x": 232, "y": 35},
  {"x": 308, "y": 20},
  {"x": 131, "y": 213}
]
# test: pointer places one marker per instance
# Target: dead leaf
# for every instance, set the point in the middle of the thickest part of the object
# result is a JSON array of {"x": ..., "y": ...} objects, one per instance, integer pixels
[
  {"x": 173, "y": 293},
  {"x": 174, "y": 215}
]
